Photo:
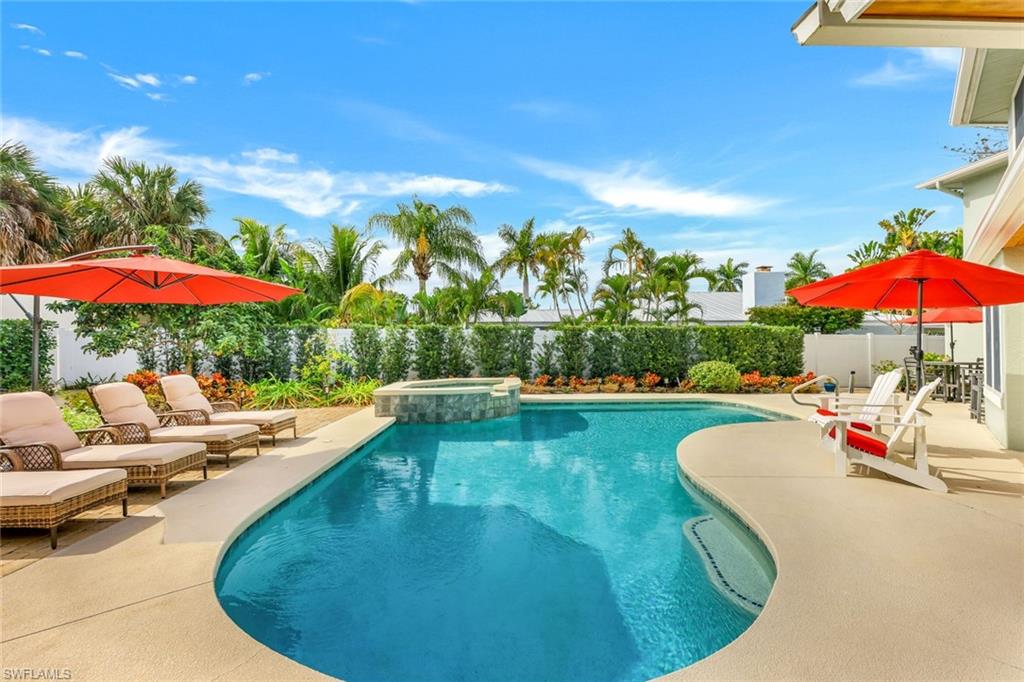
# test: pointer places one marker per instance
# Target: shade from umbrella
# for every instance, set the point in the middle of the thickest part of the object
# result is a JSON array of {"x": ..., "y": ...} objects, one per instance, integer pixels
[
  {"x": 138, "y": 279},
  {"x": 920, "y": 279}
]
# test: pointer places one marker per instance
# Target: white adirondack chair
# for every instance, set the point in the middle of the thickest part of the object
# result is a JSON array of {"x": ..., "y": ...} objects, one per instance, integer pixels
[
  {"x": 851, "y": 445},
  {"x": 864, "y": 412}
]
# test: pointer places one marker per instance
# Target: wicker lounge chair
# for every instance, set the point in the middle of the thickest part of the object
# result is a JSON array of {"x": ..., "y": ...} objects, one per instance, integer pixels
[
  {"x": 182, "y": 393},
  {"x": 48, "y": 498},
  {"x": 31, "y": 424},
  {"x": 124, "y": 405}
]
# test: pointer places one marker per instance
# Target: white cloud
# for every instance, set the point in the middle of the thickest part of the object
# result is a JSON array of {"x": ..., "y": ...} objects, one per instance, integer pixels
[
  {"x": 75, "y": 54},
  {"x": 125, "y": 81},
  {"x": 42, "y": 51},
  {"x": 271, "y": 155},
  {"x": 157, "y": 96},
  {"x": 28, "y": 27},
  {"x": 947, "y": 58},
  {"x": 310, "y": 191},
  {"x": 188, "y": 80},
  {"x": 631, "y": 188},
  {"x": 550, "y": 109},
  {"x": 923, "y": 63},
  {"x": 150, "y": 79},
  {"x": 254, "y": 77},
  {"x": 394, "y": 122}
]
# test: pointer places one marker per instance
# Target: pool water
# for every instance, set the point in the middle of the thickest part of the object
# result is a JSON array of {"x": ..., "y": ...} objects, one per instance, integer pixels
[{"x": 543, "y": 546}]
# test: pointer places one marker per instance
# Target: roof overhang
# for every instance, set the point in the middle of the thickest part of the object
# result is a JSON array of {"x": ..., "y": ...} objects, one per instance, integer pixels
[
  {"x": 952, "y": 182},
  {"x": 913, "y": 23},
  {"x": 984, "y": 84}
]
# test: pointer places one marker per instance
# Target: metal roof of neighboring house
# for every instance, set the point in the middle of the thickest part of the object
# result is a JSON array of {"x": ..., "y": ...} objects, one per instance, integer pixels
[
  {"x": 719, "y": 307},
  {"x": 952, "y": 181}
]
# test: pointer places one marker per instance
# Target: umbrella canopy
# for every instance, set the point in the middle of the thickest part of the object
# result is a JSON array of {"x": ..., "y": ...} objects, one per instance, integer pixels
[
  {"x": 920, "y": 279},
  {"x": 948, "y": 283},
  {"x": 138, "y": 279},
  {"x": 946, "y": 316}
]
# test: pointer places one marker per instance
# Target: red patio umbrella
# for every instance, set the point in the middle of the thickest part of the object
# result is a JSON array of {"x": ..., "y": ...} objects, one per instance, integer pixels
[
  {"x": 140, "y": 278},
  {"x": 947, "y": 316},
  {"x": 921, "y": 279}
]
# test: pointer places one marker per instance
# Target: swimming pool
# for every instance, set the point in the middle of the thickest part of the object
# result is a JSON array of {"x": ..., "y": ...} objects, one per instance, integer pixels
[{"x": 543, "y": 546}]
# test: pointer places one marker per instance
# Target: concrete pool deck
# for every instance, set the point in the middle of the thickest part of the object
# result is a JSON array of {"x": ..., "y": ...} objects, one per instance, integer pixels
[{"x": 876, "y": 579}]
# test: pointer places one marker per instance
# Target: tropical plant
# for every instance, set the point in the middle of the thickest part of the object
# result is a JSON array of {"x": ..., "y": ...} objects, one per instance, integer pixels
[
  {"x": 728, "y": 276},
  {"x": 356, "y": 393},
  {"x": 521, "y": 253},
  {"x": 805, "y": 268},
  {"x": 680, "y": 269},
  {"x": 868, "y": 253},
  {"x": 903, "y": 229},
  {"x": 31, "y": 222},
  {"x": 431, "y": 238},
  {"x": 715, "y": 376},
  {"x": 811, "y": 319},
  {"x": 274, "y": 393},
  {"x": 348, "y": 259},
  {"x": 265, "y": 251},
  {"x": 627, "y": 254},
  {"x": 614, "y": 299}
]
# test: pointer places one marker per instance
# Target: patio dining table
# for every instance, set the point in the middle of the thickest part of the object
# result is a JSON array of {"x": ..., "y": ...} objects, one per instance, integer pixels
[{"x": 955, "y": 377}]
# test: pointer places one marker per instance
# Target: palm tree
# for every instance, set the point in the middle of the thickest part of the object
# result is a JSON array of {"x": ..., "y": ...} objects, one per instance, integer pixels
[
  {"x": 627, "y": 253},
  {"x": 135, "y": 196},
  {"x": 728, "y": 276},
  {"x": 805, "y": 268},
  {"x": 680, "y": 269},
  {"x": 264, "y": 251},
  {"x": 551, "y": 285},
  {"x": 521, "y": 253},
  {"x": 31, "y": 225},
  {"x": 348, "y": 259},
  {"x": 903, "y": 229},
  {"x": 431, "y": 238},
  {"x": 868, "y": 253},
  {"x": 478, "y": 293},
  {"x": 614, "y": 299},
  {"x": 577, "y": 278}
]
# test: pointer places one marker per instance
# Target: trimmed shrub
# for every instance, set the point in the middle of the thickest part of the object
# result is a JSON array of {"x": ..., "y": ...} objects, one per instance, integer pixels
[
  {"x": 492, "y": 350},
  {"x": 769, "y": 350},
  {"x": 571, "y": 350},
  {"x": 545, "y": 359},
  {"x": 809, "y": 319},
  {"x": 366, "y": 350},
  {"x": 16, "y": 342},
  {"x": 603, "y": 342},
  {"x": 458, "y": 361},
  {"x": 521, "y": 349},
  {"x": 396, "y": 358},
  {"x": 715, "y": 376},
  {"x": 429, "y": 356}
]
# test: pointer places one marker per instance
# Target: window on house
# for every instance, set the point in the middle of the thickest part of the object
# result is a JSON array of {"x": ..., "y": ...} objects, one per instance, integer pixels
[{"x": 993, "y": 350}]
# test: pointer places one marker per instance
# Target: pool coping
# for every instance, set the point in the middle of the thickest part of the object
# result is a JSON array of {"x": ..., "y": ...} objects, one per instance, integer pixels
[{"x": 153, "y": 573}]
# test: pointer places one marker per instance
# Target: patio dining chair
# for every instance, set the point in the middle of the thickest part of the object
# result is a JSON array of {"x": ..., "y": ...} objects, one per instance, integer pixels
[
  {"x": 32, "y": 427},
  {"x": 182, "y": 392},
  {"x": 124, "y": 406}
]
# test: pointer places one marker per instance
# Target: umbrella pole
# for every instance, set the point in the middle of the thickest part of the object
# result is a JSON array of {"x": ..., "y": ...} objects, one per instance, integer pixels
[
  {"x": 920, "y": 334},
  {"x": 952, "y": 344},
  {"x": 35, "y": 343}
]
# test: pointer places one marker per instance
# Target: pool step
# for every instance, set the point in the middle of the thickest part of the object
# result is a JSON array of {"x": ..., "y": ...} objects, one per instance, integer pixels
[{"x": 728, "y": 562}]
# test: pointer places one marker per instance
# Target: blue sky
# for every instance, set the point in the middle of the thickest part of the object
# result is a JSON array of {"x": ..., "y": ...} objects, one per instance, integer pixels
[{"x": 702, "y": 125}]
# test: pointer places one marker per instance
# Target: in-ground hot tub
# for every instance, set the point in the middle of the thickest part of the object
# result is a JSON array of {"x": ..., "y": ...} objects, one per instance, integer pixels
[{"x": 443, "y": 401}]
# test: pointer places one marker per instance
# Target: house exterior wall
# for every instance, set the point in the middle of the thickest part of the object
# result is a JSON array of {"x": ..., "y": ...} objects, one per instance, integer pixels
[
  {"x": 978, "y": 193},
  {"x": 1004, "y": 413}
]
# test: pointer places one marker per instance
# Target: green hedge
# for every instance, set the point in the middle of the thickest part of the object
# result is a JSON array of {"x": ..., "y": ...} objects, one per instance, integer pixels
[
  {"x": 810, "y": 319},
  {"x": 769, "y": 350},
  {"x": 429, "y": 355},
  {"x": 16, "y": 365},
  {"x": 365, "y": 348},
  {"x": 397, "y": 356},
  {"x": 458, "y": 360}
]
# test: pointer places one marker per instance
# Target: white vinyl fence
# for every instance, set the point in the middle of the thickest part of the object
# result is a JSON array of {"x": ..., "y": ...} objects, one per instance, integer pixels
[{"x": 835, "y": 354}]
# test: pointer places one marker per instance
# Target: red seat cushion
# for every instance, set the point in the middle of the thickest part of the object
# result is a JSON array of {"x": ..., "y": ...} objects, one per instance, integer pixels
[
  {"x": 867, "y": 444},
  {"x": 857, "y": 425}
]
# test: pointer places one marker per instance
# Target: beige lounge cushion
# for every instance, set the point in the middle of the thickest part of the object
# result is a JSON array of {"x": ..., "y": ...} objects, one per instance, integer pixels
[
  {"x": 182, "y": 393},
  {"x": 24, "y": 488},
  {"x": 202, "y": 433},
  {"x": 32, "y": 418},
  {"x": 258, "y": 417},
  {"x": 148, "y": 454},
  {"x": 124, "y": 402}
]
